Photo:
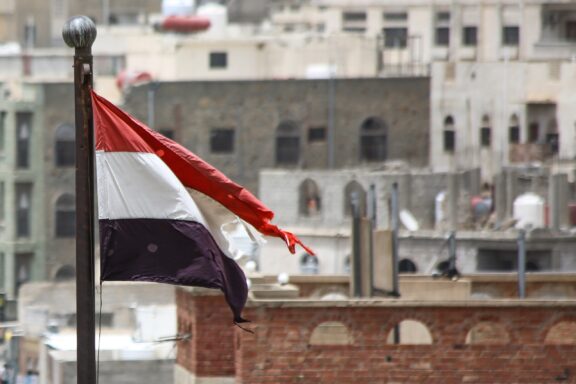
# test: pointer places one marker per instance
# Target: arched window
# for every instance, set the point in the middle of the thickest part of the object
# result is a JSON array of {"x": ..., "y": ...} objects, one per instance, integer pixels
[
  {"x": 552, "y": 137},
  {"x": 409, "y": 332},
  {"x": 373, "y": 140},
  {"x": 287, "y": 143},
  {"x": 309, "y": 196},
  {"x": 331, "y": 333},
  {"x": 486, "y": 333},
  {"x": 64, "y": 150},
  {"x": 514, "y": 130},
  {"x": 65, "y": 272},
  {"x": 407, "y": 266},
  {"x": 66, "y": 216},
  {"x": 485, "y": 132},
  {"x": 354, "y": 193},
  {"x": 449, "y": 135},
  {"x": 309, "y": 264}
]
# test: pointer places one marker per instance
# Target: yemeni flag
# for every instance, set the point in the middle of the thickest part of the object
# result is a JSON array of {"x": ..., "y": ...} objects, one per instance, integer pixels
[{"x": 162, "y": 210}]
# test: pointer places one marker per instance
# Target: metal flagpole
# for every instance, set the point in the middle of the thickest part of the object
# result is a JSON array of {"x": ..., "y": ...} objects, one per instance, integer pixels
[{"x": 80, "y": 32}]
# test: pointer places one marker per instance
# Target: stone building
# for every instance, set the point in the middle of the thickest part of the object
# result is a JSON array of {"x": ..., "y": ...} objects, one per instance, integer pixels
[
  {"x": 37, "y": 184},
  {"x": 241, "y": 127}
]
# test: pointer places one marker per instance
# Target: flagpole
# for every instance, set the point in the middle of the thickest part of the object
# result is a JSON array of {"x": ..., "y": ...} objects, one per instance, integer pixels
[{"x": 80, "y": 32}]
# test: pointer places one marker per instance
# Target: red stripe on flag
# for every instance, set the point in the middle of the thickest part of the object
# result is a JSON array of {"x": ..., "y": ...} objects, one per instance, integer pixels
[{"x": 116, "y": 131}]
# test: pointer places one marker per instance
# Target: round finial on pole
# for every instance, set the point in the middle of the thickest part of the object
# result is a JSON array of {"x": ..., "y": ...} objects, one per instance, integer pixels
[{"x": 79, "y": 32}]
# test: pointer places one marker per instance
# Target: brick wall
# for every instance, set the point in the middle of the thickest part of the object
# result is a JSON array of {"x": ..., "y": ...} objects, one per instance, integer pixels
[{"x": 280, "y": 350}]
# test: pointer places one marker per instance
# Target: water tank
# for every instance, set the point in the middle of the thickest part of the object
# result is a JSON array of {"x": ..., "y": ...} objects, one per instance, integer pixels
[
  {"x": 178, "y": 7},
  {"x": 217, "y": 14},
  {"x": 528, "y": 211}
]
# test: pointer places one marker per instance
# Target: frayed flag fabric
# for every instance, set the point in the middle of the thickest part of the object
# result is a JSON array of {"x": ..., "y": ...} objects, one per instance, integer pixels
[{"x": 162, "y": 210}]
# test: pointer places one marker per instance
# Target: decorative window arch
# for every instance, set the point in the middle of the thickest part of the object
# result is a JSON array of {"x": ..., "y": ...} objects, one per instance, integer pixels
[
  {"x": 65, "y": 212},
  {"x": 352, "y": 191},
  {"x": 373, "y": 140},
  {"x": 409, "y": 332},
  {"x": 485, "y": 132},
  {"x": 449, "y": 134},
  {"x": 288, "y": 143},
  {"x": 64, "y": 148},
  {"x": 331, "y": 333},
  {"x": 309, "y": 198},
  {"x": 488, "y": 333},
  {"x": 514, "y": 130}
]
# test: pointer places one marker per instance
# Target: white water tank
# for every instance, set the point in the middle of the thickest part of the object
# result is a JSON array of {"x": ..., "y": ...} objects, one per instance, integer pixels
[
  {"x": 218, "y": 16},
  {"x": 528, "y": 211}
]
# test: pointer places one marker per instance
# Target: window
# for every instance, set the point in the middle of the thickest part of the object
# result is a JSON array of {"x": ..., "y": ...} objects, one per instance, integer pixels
[
  {"x": 218, "y": 60},
  {"x": 23, "y": 127},
  {"x": 354, "y": 194},
  {"x": 309, "y": 264},
  {"x": 22, "y": 269},
  {"x": 316, "y": 134},
  {"x": 309, "y": 196},
  {"x": 571, "y": 30},
  {"x": 442, "y": 32},
  {"x": 65, "y": 146},
  {"x": 66, "y": 216},
  {"x": 354, "y": 21},
  {"x": 373, "y": 140},
  {"x": 442, "y": 36},
  {"x": 395, "y": 37},
  {"x": 485, "y": 132},
  {"x": 2, "y": 131},
  {"x": 449, "y": 135},
  {"x": 395, "y": 16},
  {"x": 510, "y": 35},
  {"x": 2, "y": 203},
  {"x": 552, "y": 136},
  {"x": 407, "y": 266},
  {"x": 469, "y": 36},
  {"x": 23, "y": 209},
  {"x": 167, "y": 132},
  {"x": 287, "y": 143},
  {"x": 533, "y": 133},
  {"x": 222, "y": 140},
  {"x": 514, "y": 130}
]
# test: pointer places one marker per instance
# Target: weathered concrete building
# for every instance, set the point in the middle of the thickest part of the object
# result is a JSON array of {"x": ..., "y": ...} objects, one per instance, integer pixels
[{"x": 241, "y": 127}]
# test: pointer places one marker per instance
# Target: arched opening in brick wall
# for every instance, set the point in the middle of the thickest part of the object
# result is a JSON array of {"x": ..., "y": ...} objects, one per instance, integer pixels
[
  {"x": 409, "y": 332},
  {"x": 488, "y": 332},
  {"x": 331, "y": 333},
  {"x": 563, "y": 332},
  {"x": 407, "y": 266}
]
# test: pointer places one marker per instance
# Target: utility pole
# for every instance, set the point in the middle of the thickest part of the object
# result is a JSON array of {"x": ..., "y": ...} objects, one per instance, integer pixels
[{"x": 80, "y": 32}]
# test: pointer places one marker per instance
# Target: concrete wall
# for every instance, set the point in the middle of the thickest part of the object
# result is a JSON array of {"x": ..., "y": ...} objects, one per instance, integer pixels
[{"x": 124, "y": 372}]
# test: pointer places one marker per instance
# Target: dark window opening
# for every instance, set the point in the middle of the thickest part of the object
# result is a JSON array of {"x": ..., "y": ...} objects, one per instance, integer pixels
[
  {"x": 23, "y": 209},
  {"x": 407, "y": 266},
  {"x": 22, "y": 269},
  {"x": 469, "y": 36},
  {"x": 570, "y": 28},
  {"x": 533, "y": 133},
  {"x": 514, "y": 135},
  {"x": 395, "y": 37},
  {"x": 167, "y": 133},
  {"x": 316, "y": 134},
  {"x": 442, "y": 36},
  {"x": 373, "y": 140},
  {"x": 222, "y": 140},
  {"x": 485, "y": 136},
  {"x": 449, "y": 140},
  {"x": 66, "y": 216},
  {"x": 395, "y": 16},
  {"x": 498, "y": 260},
  {"x": 65, "y": 146},
  {"x": 287, "y": 143},
  {"x": 2, "y": 130},
  {"x": 354, "y": 16},
  {"x": 218, "y": 60},
  {"x": 309, "y": 264},
  {"x": 553, "y": 141},
  {"x": 510, "y": 35},
  {"x": 23, "y": 133}
]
